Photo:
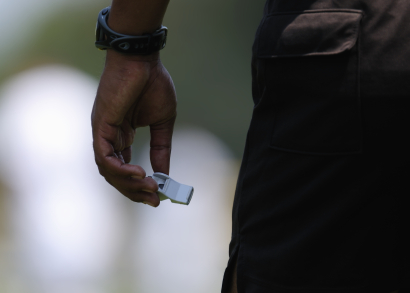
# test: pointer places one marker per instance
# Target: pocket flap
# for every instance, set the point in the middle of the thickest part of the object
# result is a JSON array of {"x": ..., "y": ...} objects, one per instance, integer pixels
[{"x": 306, "y": 33}]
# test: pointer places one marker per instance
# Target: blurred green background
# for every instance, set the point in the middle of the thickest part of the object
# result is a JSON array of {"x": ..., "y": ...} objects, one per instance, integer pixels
[{"x": 208, "y": 55}]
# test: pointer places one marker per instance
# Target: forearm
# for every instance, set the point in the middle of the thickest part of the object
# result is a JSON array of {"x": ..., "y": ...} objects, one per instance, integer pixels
[
  {"x": 130, "y": 95},
  {"x": 136, "y": 17}
]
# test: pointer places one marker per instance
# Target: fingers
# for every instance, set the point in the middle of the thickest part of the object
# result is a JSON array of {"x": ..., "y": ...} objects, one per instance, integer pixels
[
  {"x": 128, "y": 179},
  {"x": 151, "y": 199},
  {"x": 126, "y": 154},
  {"x": 112, "y": 164},
  {"x": 137, "y": 190},
  {"x": 133, "y": 185},
  {"x": 161, "y": 141}
]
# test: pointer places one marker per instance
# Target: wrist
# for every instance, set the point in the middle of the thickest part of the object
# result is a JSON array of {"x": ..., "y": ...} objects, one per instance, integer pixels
[
  {"x": 119, "y": 57},
  {"x": 130, "y": 67}
]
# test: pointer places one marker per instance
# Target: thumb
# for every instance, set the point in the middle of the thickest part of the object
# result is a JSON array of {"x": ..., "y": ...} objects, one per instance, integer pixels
[{"x": 161, "y": 141}]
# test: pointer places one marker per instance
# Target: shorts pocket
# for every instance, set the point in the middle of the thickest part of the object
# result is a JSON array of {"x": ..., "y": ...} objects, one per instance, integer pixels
[{"x": 311, "y": 70}]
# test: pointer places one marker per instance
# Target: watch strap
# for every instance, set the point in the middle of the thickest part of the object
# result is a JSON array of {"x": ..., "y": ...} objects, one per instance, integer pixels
[{"x": 138, "y": 45}]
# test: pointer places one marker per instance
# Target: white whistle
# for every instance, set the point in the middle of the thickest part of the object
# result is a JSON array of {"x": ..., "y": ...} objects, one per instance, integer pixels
[{"x": 168, "y": 188}]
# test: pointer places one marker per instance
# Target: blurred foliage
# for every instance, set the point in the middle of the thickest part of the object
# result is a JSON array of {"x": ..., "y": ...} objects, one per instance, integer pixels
[{"x": 208, "y": 55}]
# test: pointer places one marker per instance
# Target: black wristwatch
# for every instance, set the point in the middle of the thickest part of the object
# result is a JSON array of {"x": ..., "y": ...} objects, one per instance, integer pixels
[{"x": 137, "y": 45}]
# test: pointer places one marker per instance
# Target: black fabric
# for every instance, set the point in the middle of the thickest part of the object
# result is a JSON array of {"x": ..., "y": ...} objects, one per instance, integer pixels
[{"x": 322, "y": 200}]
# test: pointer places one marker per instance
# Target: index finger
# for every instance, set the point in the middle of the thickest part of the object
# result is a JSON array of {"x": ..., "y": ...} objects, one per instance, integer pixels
[{"x": 108, "y": 160}]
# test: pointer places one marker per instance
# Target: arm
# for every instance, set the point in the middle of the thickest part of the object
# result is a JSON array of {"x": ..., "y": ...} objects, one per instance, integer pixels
[
  {"x": 134, "y": 91},
  {"x": 135, "y": 17}
]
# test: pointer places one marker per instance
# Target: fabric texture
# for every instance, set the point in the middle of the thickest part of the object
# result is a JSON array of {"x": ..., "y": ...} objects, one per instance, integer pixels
[{"x": 322, "y": 198}]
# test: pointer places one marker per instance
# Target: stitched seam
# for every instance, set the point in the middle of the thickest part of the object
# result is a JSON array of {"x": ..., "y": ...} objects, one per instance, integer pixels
[{"x": 316, "y": 11}]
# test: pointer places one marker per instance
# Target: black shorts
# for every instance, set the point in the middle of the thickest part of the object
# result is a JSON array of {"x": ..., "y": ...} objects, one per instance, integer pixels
[{"x": 322, "y": 201}]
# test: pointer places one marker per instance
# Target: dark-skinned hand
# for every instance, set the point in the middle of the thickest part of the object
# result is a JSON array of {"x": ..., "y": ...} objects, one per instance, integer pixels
[{"x": 134, "y": 91}]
